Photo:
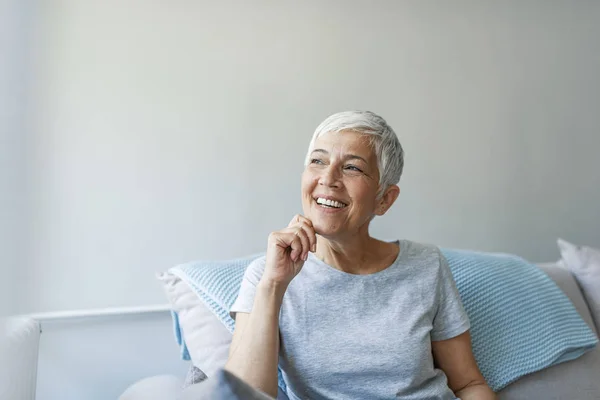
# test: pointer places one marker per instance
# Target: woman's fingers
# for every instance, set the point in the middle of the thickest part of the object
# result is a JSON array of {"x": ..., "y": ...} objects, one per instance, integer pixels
[
  {"x": 312, "y": 237},
  {"x": 296, "y": 245},
  {"x": 304, "y": 235},
  {"x": 298, "y": 219},
  {"x": 307, "y": 226}
]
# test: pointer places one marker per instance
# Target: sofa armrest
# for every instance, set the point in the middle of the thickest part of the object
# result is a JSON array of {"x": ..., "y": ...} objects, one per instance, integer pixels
[{"x": 19, "y": 344}]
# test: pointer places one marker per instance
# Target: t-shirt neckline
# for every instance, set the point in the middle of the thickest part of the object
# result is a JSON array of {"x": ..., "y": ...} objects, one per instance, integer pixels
[{"x": 383, "y": 272}]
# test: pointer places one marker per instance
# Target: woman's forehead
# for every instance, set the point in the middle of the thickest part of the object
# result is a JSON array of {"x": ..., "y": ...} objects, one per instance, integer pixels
[{"x": 345, "y": 142}]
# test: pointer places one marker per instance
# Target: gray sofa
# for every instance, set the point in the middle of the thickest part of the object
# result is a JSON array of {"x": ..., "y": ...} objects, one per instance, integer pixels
[
  {"x": 574, "y": 380},
  {"x": 19, "y": 340}
]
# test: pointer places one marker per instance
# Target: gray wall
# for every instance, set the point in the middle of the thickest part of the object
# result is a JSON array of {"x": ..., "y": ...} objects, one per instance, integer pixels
[
  {"x": 172, "y": 131},
  {"x": 14, "y": 38}
]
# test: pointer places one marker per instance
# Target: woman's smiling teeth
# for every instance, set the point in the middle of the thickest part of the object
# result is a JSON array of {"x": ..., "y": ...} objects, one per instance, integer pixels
[{"x": 330, "y": 203}]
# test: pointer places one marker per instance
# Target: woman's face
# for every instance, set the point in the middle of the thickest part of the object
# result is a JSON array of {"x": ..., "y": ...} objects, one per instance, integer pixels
[{"x": 340, "y": 184}]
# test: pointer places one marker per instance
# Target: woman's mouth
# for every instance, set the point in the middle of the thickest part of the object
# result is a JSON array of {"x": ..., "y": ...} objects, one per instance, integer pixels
[{"x": 329, "y": 203}]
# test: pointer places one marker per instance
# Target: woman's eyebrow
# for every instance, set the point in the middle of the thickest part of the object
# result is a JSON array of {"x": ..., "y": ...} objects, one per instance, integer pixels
[
  {"x": 355, "y": 157},
  {"x": 347, "y": 156}
]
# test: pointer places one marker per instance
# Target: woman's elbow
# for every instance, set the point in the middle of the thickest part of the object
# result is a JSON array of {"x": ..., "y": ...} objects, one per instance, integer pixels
[{"x": 476, "y": 390}]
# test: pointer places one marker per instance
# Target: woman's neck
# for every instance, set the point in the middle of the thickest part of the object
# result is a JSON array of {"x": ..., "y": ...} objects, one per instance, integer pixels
[{"x": 355, "y": 255}]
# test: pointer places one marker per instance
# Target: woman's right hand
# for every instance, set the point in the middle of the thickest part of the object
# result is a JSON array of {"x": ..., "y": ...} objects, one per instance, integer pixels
[{"x": 287, "y": 250}]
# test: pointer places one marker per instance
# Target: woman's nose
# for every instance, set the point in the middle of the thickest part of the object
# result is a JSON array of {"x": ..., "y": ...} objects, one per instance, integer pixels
[{"x": 329, "y": 177}]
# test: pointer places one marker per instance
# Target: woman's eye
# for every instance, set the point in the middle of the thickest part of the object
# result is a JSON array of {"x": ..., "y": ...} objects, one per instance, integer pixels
[
  {"x": 353, "y": 168},
  {"x": 316, "y": 161}
]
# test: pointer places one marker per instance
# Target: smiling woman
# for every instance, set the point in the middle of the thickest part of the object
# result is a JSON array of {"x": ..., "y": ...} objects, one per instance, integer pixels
[
  {"x": 342, "y": 314},
  {"x": 343, "y": 166}
]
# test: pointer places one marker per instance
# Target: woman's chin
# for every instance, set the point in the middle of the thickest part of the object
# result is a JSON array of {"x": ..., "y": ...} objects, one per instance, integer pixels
[{"x": 324, "y": 230}]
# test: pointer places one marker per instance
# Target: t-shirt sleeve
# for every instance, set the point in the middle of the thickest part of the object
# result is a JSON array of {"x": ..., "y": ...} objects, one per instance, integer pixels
[
  {"x": 245, "y": 299},
  {"x": 450, "y": 319}
]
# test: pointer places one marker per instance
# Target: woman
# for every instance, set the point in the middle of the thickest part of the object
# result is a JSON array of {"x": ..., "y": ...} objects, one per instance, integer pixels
[{"x": 344, "y": 315}]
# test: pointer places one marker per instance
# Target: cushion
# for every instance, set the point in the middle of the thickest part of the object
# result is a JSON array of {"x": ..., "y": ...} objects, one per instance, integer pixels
[
  {"x": 577, "y": 380},
  {"x": 196, "y": 325},
  {"x": 584, "y": 263},
  {"x": 521, "y": 321}
]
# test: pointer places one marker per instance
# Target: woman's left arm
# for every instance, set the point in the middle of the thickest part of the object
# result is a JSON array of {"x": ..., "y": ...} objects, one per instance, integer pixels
[{"x": 455, "y": 357}]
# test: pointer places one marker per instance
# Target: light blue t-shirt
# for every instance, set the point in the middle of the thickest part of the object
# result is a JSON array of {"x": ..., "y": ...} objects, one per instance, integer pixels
[{"x": 346, "y": 336}]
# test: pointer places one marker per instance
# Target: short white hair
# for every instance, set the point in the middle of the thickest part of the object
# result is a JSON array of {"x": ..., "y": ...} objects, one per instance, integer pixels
[{"x": 389, "y": 152}]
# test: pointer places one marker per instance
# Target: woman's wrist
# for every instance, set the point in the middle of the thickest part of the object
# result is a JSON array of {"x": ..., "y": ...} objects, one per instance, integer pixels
[{"x": 270, "y": 289}]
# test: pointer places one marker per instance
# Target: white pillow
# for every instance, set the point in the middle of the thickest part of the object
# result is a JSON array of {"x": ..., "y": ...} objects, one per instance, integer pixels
[
  {"x": 206, "y": 337},
  {"x": 584, "y": 264}
]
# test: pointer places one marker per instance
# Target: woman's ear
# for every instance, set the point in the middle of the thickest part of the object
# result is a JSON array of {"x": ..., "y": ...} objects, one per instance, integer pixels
[{"x": 387, "y": 200}]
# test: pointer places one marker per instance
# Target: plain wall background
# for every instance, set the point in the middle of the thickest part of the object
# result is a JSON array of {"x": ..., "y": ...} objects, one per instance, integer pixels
[
  {"x": 14, "y": 45},
  {"x": 167, "y": 132}
]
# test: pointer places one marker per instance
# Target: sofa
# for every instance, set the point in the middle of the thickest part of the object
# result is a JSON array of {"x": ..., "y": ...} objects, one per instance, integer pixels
[
  {"x": 576, "y": 274},
  {"x": 578, "y": 379},
  {"x": 574, "y": 380}
]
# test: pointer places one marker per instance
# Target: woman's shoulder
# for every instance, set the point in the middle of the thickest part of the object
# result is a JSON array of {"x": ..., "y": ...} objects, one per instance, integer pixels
[
  {"x": 258, "y": 261},
  {"x": 419, "y": 249},
  {"x": 255, "y": 268},
  {"x": 425, "y": 260}
]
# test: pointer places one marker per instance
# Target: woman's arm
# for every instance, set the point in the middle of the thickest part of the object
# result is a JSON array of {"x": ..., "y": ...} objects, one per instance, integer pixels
[
  {"x": 455, "y": 357},
  {"x": 254, "y": 350}
]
